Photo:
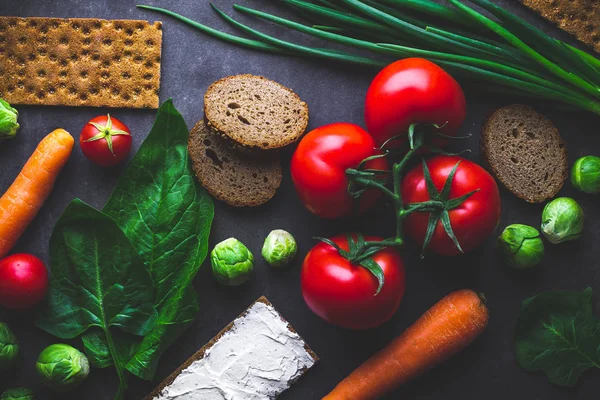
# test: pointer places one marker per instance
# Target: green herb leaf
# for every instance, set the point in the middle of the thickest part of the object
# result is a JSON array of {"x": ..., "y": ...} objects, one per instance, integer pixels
[
  {"x": 167, "y": 217},
  {"x": 98, "y": 285},
  {"x": 557, "y": 333}
]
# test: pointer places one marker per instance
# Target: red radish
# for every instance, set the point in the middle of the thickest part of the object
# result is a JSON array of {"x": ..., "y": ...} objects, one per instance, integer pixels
[{"x": 23, "y": 281}]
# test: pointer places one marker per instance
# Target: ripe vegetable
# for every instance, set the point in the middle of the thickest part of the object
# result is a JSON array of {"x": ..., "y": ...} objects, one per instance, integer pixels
[
  {"x": 348, "y": 292},
  {"x": 8, "y": 121},
  {"x": 521, "y": 245},
  {"x": 470, "y": 222},
  {"x": 232, "y": 262},
  {"x": 444, "y": 330},
  {"x": 435, "y": 99},
  {"x": 24, "y": 198},
  {"x": 319, "y": 167},
  {"x": 562, "y": 220},
  {"x": 17, "y": 394},
  {"x": 585, "y": 175},
  {"x": 62, "y": 367},
  {"x": 105, "y": 141},
  {"x": 23, "y": 281},
  {"x": 9, "y": 347},
  {"x": 279, "y": 248}
]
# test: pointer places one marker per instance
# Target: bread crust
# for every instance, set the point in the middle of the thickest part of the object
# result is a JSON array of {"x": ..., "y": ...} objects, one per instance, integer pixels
[
  {"x": 239, "y": 180},
  {"x": 247, "y": 142},
  {"x": 200, "y": 353},
  {"x": 487, "y": 140}
]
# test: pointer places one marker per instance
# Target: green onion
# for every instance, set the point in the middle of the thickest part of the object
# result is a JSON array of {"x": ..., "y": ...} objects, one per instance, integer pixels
[
  {"x": 521, "y": 60},
  {"x": 519, "y": 44}
]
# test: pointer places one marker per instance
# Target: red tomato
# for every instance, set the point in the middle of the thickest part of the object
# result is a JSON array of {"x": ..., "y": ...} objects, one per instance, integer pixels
[
  {"x": 23, "y": 281},
  {"x": 412, "y": 91},
  {"x": 105, "y": 141},
  {"x": 343, "y": 293},
  {"x": 319, "y": 169},
  {"x": 472, "y": 222}
]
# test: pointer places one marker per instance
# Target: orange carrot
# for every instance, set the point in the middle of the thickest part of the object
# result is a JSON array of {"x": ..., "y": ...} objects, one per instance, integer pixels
[
  {"x": 24, "y": 198},
  {"x": 444, "y": 330}
]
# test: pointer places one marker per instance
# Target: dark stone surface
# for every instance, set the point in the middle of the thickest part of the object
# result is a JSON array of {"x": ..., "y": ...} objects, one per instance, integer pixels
[{"x": 191, "y": 61}]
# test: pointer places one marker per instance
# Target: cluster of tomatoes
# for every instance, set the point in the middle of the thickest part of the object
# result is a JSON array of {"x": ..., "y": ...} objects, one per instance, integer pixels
[{"x": 407, "y": 92}]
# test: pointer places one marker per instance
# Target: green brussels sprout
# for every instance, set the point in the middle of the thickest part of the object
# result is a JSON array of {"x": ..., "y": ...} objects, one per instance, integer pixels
[
  {"x": 9, "y": 347},
  {"x": 279, "y": 248},
  {"x": 521, "y": 245},
  {"x": 232, "y": 262},
  {"x": 562, "y": 220},
  {"x": 8, "y": 120},
  {"x": 585, "y": 175},
  {"x": 17, "y": 394},
  {"x": 62, "y": 367}
]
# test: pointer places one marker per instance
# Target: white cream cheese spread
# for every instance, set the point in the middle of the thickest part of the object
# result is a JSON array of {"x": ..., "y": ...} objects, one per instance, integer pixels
[{"x": 257, "y": 359}]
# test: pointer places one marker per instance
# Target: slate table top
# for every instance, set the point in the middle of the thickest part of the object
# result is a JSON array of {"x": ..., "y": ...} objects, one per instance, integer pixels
[{"x": 190, "y": 62}]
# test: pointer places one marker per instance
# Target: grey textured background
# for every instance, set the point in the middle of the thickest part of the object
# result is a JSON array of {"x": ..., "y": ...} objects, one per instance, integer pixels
[{"x": 191, "y": 61}]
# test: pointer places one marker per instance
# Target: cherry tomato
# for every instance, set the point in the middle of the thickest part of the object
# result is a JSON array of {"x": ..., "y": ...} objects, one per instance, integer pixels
[
  {"x": 319, "y": 169},
  {"x": 343, "y": 293},
  {"x": 412, "y": 91},
  {"x": 23, "y": 281},
  {"x": 472, "y": 222},
  {"x": 105, "y": 140}
]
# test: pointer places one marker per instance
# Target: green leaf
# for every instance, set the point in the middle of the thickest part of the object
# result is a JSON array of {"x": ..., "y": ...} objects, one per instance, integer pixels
[
  {"x": 557, "y": 333},
  {"x": 98, "y": 284},
  {"x": 376, "y": 270},
  {"x": 167, "y": 217},
  {"x": 434, "y": 217},
  {"x": 431, "y": 189},
  {"x": 445, "y": 218}
]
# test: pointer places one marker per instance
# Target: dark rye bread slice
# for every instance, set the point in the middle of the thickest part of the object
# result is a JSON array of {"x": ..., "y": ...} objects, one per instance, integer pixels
[
  {"x": 230, "y": 176},
  {"x": 200, "y": 353},
  {"x": 255, "y": 112},
  {"x": 525, "y": 152}
]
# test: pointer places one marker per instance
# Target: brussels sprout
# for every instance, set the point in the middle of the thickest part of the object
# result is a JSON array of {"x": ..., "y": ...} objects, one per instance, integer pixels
[
  {"x": 562, "y": 220},
  {"x": 9, "y": 347},
  {"x": 17, "y": 394},
  {"x": 521, "y": 245},
  {"x": 232, "y": 262},
  {"x": 279, "y": 248},
  {"x": 8, "y": 121},
  {"x": 585, "y": 175},
  {"x": 62, "y": 367}
]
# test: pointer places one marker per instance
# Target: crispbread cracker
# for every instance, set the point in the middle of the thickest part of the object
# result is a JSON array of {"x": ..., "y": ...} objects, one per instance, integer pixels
[
  {"x": 578, "y": 17},
  {"x": 80, "y": 62}
]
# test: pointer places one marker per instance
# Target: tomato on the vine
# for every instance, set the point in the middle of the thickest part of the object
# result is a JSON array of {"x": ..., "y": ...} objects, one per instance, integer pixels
[
  {"x": 105, "y": 140},
  {"x": 413, "y": 91},
  {"x": 472, "y": 221},
  {"x": 319, "y": 167},
  {"x": 345, "y": 294}
]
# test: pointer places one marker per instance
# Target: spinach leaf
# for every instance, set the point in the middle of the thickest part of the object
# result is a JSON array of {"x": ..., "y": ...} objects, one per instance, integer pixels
[
  {"x": 98, "y": 287},
  {"x": 557, "y": 333},
  {"x": 167, "y": 216}
]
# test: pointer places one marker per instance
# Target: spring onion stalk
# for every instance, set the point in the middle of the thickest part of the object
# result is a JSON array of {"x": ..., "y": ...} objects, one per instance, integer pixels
[
  {"x": 544, "y": 43},
  {"x": 505, "y": 55},
  {"x": 519, "y": 44}
]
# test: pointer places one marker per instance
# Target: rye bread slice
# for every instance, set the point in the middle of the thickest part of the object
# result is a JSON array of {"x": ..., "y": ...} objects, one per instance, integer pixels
[
  {"x": 255, "y": 112},
  {"x": 230, "y": 176},
  {"x": 525, "y": 152},
  {"x": 202, "y": 352}
]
